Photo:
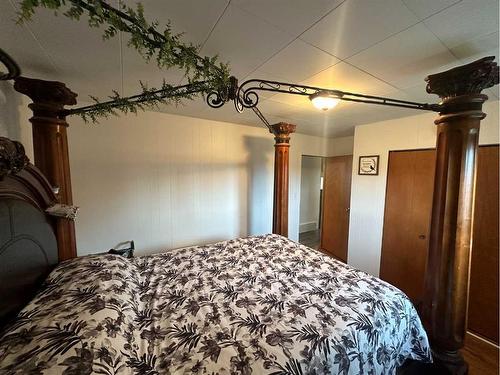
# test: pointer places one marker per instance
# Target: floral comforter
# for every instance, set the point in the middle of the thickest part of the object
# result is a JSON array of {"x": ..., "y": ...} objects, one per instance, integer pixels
[{"x": 257, "y": 305}]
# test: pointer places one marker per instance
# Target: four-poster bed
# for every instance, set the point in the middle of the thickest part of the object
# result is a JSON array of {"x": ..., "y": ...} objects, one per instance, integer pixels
[{"x": 444, "y": 311}]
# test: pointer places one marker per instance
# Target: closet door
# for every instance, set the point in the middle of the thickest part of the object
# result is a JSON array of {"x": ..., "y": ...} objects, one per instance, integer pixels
[
  {"x": 483, "y": 288},
  {"x": 336, "y": 202},
  {"x": 408, "y": 203}
]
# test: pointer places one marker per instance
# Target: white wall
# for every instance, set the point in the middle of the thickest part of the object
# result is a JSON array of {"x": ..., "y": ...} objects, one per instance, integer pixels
[
  {"x": 340, "y": 146},
  {"x": 310, "y": 188},
  {"x": 167, "y": 181},
  {"x": 368, "y": 192},
  {"x": 13, "y": 112}
]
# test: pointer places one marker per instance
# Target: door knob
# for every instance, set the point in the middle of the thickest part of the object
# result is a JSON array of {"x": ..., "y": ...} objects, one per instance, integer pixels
[
  {"x": 421, "y": 237},
  {"x": 348, "y": 209}
]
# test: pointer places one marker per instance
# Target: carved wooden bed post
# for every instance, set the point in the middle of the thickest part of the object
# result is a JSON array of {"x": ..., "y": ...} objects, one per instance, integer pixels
[
  {"x": 447, "y": 276},
  {"x": 50, "y": 146},
  {"x": 281, "y": 133}
]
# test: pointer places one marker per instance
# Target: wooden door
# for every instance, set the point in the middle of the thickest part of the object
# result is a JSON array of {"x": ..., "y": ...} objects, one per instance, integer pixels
[
  {"x": 483, "y": 287},
  {"x": 410, "y": 180},
  {"x": 336, "y": 202},
  {"x": 408, "y": 203}
]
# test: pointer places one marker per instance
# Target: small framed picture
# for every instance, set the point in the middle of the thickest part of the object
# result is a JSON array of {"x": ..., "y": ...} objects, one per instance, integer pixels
[{"x": 368, "y": 165}]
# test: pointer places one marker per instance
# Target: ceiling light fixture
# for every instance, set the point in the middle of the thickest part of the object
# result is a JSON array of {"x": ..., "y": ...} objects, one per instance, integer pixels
[{"x": 325, "y": 100}]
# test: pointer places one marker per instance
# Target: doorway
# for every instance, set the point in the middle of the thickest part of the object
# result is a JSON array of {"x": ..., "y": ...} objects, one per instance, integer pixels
[
  {"x": 311, "y": 196},
  {"x": 324, "y": 204}
]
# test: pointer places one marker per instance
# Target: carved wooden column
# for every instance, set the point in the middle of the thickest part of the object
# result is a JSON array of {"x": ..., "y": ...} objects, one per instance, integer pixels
[
  {"x": 281, "y": 133},
  {"x": 447, "y": 275},
  {"x": 50, "y": 146}
]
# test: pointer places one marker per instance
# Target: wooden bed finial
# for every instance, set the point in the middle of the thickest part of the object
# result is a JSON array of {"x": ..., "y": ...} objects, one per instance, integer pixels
[
  {"x": 50, "y": 146},
  {"x": 52, "y": 94},
  {"x": 281, "y": 133},
  {"x": 447, "y": 275}
]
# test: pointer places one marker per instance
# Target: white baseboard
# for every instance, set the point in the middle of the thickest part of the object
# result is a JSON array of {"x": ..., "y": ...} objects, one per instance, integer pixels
[
  {"x": 486, "y": 341},
  {"x": 306, "y": 227}
]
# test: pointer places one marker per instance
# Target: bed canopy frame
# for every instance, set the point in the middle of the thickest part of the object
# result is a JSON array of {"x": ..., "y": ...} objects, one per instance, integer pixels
[{"x": 444, "y": 309}]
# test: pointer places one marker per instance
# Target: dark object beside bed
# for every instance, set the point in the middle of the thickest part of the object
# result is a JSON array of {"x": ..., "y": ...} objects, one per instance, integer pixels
[{"x": 125, "y": 252}]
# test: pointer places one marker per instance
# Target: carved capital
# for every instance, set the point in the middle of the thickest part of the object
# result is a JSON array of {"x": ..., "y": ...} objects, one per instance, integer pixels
[
  {"x": 51, "y": 94},
  {"x": 282, "y": 131},
  {"x": 468, "y": 79},
  {"x": 12, "y": 157}
]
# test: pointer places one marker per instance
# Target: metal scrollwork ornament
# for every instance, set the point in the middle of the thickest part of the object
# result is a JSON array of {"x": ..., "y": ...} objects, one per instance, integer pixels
[
  {"x": 13, "y": 70},
  {"x": 216, "y": 99}
]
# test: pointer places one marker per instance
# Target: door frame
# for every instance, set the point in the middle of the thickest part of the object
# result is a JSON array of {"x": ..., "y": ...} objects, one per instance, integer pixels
[{"x": 320, "y": 219}]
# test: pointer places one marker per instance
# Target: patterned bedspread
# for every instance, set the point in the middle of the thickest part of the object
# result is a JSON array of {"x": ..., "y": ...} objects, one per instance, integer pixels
[{"x": 258, "y": 305}]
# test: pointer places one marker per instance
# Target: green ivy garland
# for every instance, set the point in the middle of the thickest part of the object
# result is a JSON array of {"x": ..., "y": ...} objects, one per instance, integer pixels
[
  {"x": 166, "y": 48},
  {"x": 148, "y": 98}
]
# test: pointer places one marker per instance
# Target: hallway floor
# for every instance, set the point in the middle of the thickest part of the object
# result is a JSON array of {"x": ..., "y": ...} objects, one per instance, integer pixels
[{"x": 310, "y": 239}]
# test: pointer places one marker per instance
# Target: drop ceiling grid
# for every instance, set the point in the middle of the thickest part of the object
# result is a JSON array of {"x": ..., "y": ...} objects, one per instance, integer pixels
[
  {"x": 203, "y": 22},
  {"x": 364, "y": 69},
  {"x": 27, "y": 27},
  {"x": 346, "y": 60},
  {"x": 438, "y": 17},
  {"x": 448, "y": 61}
]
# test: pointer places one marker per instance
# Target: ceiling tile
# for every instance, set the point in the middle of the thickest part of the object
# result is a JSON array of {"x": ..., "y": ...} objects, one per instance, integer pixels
[
  {"x": 260, "y": 33},
  {"x": 305, "y": 127},
  {"x": 244, "y": 40},
  {"x": 193, "y": 18},
  {"x": 359, "y": 113},
  {"x": 261, "y": 75},
  {"x": 358, "y": 24},
  {"x": 313, "y": 115},
  {"x": 474, "y": 49},
  {"x": 195, "y": 27},
  {"x": 426, "y": 8},
  {"x": 136, "y": 70},
  {"x": 298, "y": 61},
  {"x": 293, "y": 16},
  {"x": 86, "y": 63},
  {"x": 341, "y": 76},
  {"x": 464, "y": 21},
  {"x": 308, "y": 119},
  {"x": 346, "y": 77},
  {"x": 17, "y": 41},
  {"x": 405, "y": 59},
  {"x": 295, "y": 100},
  {"x": 418, "y": 94},
  {"x": 272, "y": 108},
  {"x": 228, "y": 113},
  {"x": 193, "y": 108}
]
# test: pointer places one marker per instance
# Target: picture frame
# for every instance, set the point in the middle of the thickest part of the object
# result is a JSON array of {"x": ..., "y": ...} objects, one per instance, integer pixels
[{"x": 368, "y": 165}]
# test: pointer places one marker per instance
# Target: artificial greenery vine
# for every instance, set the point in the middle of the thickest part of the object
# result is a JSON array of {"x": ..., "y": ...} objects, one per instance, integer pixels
[
  {"x": 149, "y": 98},
  {"x": 203, "y": 73}
]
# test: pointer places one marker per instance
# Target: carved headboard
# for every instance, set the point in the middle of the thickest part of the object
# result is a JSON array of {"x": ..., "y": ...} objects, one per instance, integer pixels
[{"x": 28, "y": 244}]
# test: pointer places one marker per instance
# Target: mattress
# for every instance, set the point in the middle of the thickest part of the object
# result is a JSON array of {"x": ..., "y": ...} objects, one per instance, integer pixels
[{"x": 256, "y": 305}]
